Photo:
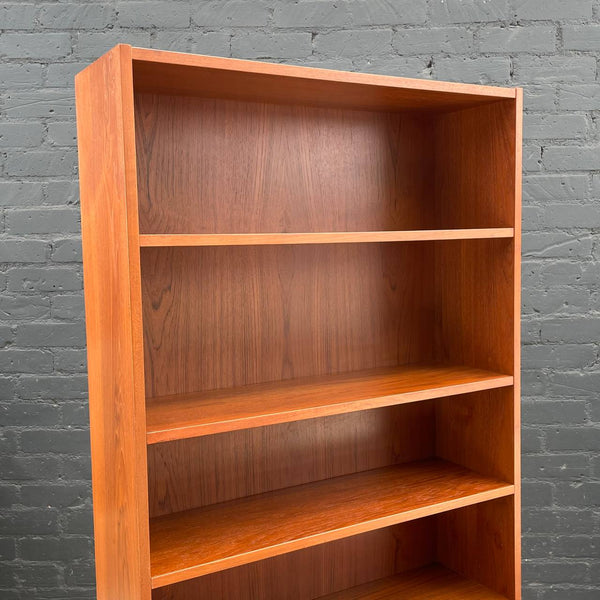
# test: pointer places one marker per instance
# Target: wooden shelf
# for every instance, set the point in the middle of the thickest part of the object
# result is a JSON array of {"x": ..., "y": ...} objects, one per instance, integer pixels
[
  {"x": 333, "y": 237},
  {"x": 430, "y": 583},
  {"x": 191, "y": 415},
  {"x": 220, "y": 536}
]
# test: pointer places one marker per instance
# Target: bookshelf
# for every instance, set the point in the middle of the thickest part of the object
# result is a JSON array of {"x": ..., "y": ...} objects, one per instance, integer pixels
[{"x": 302, "y": 307}]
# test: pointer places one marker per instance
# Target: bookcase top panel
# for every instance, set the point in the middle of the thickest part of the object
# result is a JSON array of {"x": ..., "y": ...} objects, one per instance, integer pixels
[{"x": 189, "y": 74}]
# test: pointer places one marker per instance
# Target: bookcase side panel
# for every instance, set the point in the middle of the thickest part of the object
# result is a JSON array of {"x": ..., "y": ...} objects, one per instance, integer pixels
[{"x": 104, "y": 100}]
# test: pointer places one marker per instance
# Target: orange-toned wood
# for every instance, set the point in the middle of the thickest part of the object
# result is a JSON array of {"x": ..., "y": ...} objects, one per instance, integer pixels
[
  {"x": 429, "y": 583},
  {"x": 203, "y": 413},
  {"x": 231, "y": 316},
  {"x": 477, "y": 431},
  {"x": 335, "y": 237},
  {"x": 217, "y": 468},
  {"x": 475, "y": 303},
  {"x": 174, "y": 73},
  {"x": 220, "y": 536},
  {"x": 478, "y": 542},
  {"x": 314, "y": 572},
  {"x": 516, "y": 508},
  {"x": 109, "y": 218},
  {"x": 222, "y": 166}
]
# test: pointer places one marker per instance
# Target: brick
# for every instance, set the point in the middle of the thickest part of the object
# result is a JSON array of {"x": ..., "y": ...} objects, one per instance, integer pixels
[
  {"x": 24, "y": 251},
  {"x": 9, "y": 494},
  {"x": 18, "y": 15},
  {"x": 20, "y": 75},
  {"x": 27, "y": 468},
  {"x": 572, "y": 594},
  {"x": 62, "y": 192},
  {"x": 554, "y": 69},
  {"x": 548, "y": 187},
  {"x": 532, "y": 158},
  {"x": 399, "y": 12},
  {"x": 398, "y": 66},
  {"x": 94, "y": 44},
  {"x": 75, "y": 414},
  {"x": 7, "y": 386},
  {"x": 558, "y": 521},
  {"x": 263, "y": 45},
  {"x": 68, "y": 250},
  {"x": 539, "y": 96},
  {"x": 582, "y": 494},
  {"x": 153, "y": 14},
  {"x": 20, "y": 193},
  {"x": 315, "y": 14},
  {"x": 77, "y": 468},
  {"x": 51, "y": 387},
  {"x": 70, "y": 361},
  {"x": 469, "y": 11},
  {"x": 579, "y": 330},
  {"x": 556, "y": 245},
  {"x": 95, "y": 15},
  {"x": 41, "y": 163},
  {"x": 43, "y": 46},
  {"x": 354, "y": 42},
  {"x": 553, "y": 412},
  {"x": 78, "y": 521},
  {"x": 83, "y": 574},
  {"x": 563, "y": 466},
  {"x": 41, "y": 103},
  {"x": 62, "y": 134},
  {"x": 227, "y": 13},
  {"x": 579, "y": 97},
  {"x": 473, "y": 70},
  {"x": 546, "y": 10},
  {"x": 20, "y": 135},
  {"x": 427, "y": 40},
  {"x": 559, "y": 300},
  {"x": 25, "y": 361},
  {"x": 50, "y": 334},
  {"x": 539, "y": 126},
  {"x": 40, "y": 575},
  {"x": 573, "y": 215},
  {"x": 213, "y": 43},
  {"x": 56, "y": 496},
  {"x": 576, "y": 383},
  {"x": 536, "y": 493},
  {"x": 555, "y": 572},
  {"x": 51, "y": 441},
  {"x": 24, "y": 414},
  {"x": 6, "y": 335},
  {"x": 572, "y": 158},
  {"x": 531, "y": 440},
  {"x": 8, "y": 549},
  {"x": 583, "y": 439},
  {"x": 561, "y": 356},
  {"x": 29, "y": 521},
  {"x": 67, "y": 307},
  {"x": 23, "y": 308},
  {"x": 43, "y": 220},
  {"x": 532, "y": 39},
  {"x": 29, "y": 279},
  {"x": 62, "y": 75}
]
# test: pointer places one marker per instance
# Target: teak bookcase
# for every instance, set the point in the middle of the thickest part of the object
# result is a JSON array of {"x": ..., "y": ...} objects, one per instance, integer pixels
[{"x": 302, "y": 303}]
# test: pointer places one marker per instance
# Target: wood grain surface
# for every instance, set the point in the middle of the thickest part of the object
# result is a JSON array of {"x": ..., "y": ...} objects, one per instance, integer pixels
[
  {"x": 188, "y": 415},
  {"x": 221, "y": 166},
  {"x": 107, "y": 179},
  {"x": 176, "y": 73},
  {"x": 216, "y": 468},
  {"x": 226, "y": 317},
  {"x": 331, "y": 237},
  {"x": 196, "y": 542}
]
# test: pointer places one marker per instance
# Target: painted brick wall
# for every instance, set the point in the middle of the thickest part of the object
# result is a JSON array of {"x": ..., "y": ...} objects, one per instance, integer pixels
[{"x": 550, "y": 47}]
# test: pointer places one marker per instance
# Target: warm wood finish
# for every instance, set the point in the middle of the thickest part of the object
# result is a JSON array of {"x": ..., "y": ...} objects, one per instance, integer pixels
[
  {"x": 255, "y": 312},
  {"x": 174, "y": 73},
  {"x": 334, "y": 237},
  {"x": 463, "y": 533},
  {"x": 216, "y": 468},
  {"x": 114, "y": 331},
  {"x": 203, "y": 413},
  {"x": 280, "y": 168},
  {"x": 220, "y": 536},
  {"x": 319, "y": 570},
  {"x": 232, "y": 316},
  {"x": 429, "y": 583}
]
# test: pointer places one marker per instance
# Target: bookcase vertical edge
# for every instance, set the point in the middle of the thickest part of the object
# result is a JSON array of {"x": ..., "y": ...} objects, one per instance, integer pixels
[{"x": 110, "y": 232}]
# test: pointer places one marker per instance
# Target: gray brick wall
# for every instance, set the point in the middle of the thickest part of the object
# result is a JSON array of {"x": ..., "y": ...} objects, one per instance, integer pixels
[{"x": 550, "y": 47}]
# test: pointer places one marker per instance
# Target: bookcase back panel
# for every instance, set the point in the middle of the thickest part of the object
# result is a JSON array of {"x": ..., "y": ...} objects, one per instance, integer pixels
[
  {"x": 207, "y": 470},
  {"x": 232, "y": 316},
  {"x": 223, "y": 166},
  {"x": 315, "y": 572}
]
